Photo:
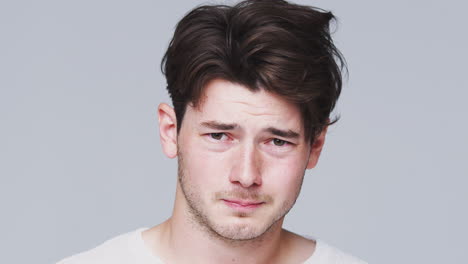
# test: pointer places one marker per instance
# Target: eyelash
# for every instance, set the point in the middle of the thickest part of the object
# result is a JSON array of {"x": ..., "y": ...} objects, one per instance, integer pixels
[
  {"x": 283, "y": 142},
  {"x": 222, "y": 134}
]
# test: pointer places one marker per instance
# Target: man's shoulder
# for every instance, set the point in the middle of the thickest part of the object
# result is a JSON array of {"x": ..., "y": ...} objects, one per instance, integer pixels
[
  {"x": 115, "y": 250},
  {"x": 327, "y": 254},
  {"x": 316, "y": 251}
]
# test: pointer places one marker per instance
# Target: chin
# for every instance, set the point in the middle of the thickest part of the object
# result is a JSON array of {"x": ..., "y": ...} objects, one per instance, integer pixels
[
  {"x": 241, "y": 228},
  {"x": 238, "y": 232}
]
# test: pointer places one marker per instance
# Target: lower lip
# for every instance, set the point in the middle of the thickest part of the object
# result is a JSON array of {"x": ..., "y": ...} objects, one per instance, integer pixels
[{"x": 241, "y": 206}]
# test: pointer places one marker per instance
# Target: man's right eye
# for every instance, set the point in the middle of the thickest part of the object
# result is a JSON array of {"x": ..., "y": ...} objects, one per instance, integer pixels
[{"x": 217, "y": 136}]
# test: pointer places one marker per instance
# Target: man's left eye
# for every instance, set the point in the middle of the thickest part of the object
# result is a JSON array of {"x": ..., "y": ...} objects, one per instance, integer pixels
[{"x": 279, "y": 142}]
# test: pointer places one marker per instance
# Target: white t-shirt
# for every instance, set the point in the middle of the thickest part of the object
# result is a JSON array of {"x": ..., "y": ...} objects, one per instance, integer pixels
[{"x": 130, "y": 248}]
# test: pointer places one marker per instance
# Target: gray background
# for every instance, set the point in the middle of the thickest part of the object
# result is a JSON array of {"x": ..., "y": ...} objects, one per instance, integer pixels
[{"x": 79, "y": 146}]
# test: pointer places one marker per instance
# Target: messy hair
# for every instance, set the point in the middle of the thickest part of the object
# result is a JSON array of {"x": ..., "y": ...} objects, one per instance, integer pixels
[{"x": 283, "y": 48}]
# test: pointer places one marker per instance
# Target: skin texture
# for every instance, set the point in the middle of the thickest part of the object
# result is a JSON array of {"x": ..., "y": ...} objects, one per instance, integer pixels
[{"x": 236, "y": 148}]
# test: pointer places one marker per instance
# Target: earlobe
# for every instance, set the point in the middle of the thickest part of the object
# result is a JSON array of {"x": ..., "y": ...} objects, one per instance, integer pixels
[
  {"x": 316, "y": 149},
  {"x": 168, "y": 130}
]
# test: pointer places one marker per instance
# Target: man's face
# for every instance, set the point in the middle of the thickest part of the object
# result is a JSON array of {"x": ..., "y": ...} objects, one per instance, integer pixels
[{"x": 242, "y": 158}]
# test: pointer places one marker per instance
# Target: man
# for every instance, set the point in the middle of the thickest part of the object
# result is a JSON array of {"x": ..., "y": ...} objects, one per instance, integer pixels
[{"x": 252, "y": 87}]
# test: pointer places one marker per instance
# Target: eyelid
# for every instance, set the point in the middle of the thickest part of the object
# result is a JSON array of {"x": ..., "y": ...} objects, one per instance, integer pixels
[
  {"x": 226, "y": 137},
  {"x": 213, "y": 139},
  {"x": 286, "y": 142}
]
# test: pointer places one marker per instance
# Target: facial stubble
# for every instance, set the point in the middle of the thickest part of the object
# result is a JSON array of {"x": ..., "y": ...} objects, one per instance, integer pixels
[{"x": 222, "y": 231}]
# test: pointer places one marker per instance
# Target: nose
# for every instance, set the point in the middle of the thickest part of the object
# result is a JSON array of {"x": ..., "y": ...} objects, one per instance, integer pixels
[{"x": 247, "y": 167}]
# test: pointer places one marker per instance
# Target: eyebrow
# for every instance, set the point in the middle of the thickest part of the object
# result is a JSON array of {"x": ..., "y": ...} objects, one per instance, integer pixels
[
  {"x": 219, "y": 126},
  {"x": 282, "y": 133},
  {"x": 273, "y": 130}
]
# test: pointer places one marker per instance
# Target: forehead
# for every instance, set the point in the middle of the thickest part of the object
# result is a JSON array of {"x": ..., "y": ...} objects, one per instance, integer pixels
[{"x": 223, "y": 100}]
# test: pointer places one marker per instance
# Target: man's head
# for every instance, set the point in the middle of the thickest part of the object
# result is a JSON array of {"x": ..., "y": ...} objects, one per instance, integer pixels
[
  {"x": 252, "y": 86},
  {"x": 276, "y": 46}
]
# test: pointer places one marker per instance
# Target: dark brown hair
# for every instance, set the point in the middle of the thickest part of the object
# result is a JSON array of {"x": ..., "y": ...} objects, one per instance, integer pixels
[{"x": 277, "y": 46}]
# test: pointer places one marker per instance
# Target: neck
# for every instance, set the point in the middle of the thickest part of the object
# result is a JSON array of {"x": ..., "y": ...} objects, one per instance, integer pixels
[{"x": 182, "y": 240}]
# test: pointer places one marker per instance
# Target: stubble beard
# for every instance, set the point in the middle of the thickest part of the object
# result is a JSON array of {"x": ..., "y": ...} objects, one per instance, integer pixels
[{"x": 228, "y": 233}]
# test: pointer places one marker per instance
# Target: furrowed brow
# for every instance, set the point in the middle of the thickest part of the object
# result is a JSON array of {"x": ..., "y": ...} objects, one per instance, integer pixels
[
  {"x": 282, "y": 133},
  {"x": 218, "y": 125}
]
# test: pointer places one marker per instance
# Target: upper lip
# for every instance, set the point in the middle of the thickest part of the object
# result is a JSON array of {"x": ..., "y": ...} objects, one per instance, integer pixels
[{"x": 243, "y": 202}]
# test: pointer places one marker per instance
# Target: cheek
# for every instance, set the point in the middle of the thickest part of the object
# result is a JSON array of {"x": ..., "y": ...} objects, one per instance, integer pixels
[
  {"x": 285, "y": 175},
  {"x": 204, "y": 168}
]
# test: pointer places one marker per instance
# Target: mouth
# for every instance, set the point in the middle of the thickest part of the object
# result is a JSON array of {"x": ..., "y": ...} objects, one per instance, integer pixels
[{"x": 242, "y": 205}]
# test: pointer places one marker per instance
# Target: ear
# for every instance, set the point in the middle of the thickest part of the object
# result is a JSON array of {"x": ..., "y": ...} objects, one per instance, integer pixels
[
  {"x": 316, "y": 149},
  {"x": 168, "y": 129}
]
